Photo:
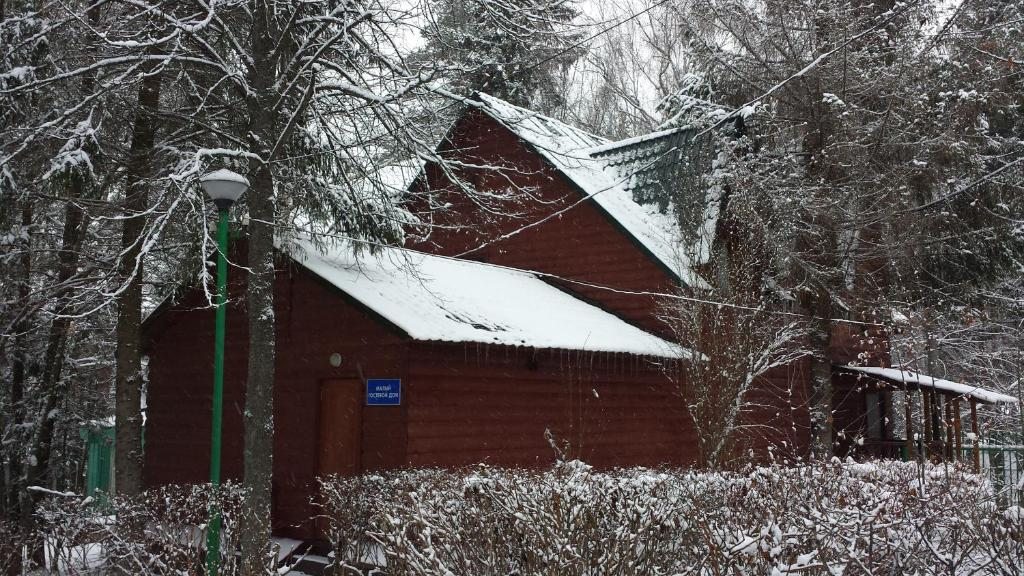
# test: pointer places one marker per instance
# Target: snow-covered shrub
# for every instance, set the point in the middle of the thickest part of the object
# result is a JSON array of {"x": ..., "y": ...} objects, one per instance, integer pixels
[
  {"x": 852, "y": 518},
  {"x": 70, "y": 530},
  {"x": 162, "y": 531},
  {"x": 826, "y": 518},
  {"x": 490, "y": 521},
  {"x": 351, "y": 505}
]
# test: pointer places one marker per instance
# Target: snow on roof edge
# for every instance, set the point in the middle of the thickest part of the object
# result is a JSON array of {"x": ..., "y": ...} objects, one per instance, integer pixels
[
  {"x": 626, "y": 142},
  {"x": 629, "y": 218},
  {"x": 489, "y": 104},
  {"x": 925, "y": 381},
  {"x": 452, "y": 303}
]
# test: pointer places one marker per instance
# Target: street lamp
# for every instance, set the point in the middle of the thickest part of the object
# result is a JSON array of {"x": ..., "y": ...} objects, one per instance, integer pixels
[{"x": 224, "y": 187}]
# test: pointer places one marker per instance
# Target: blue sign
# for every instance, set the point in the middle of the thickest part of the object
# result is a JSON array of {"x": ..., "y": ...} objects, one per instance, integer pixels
[{"x": 383, "y": 392}]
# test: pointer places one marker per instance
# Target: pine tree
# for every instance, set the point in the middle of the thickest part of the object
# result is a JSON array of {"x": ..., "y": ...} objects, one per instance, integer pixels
[{"x": 517, "y": 50}]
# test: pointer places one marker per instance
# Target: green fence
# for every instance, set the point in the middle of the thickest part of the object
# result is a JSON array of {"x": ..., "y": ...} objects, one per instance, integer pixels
[
  {"x": 1000, "y": 458},
  {"x": 99, "y": 472},
  {"x": 1004, "y": 466}
]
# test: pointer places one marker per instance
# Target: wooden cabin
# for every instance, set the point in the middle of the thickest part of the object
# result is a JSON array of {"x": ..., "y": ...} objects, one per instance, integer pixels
[
  {"x": 583, "y": 228},
  {"x": 598, "y": 242},
  {"x": 501, "y": 339},
  {"x": 398, "y": 360}
]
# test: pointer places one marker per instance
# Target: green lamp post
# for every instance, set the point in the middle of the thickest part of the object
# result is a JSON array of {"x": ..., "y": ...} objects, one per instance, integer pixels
[{"x": 224, "y": 187}]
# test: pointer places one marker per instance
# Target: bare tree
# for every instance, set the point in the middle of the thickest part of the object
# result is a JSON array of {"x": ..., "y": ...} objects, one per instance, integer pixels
[
  {"x": 734, "y": 348},
  {"x": 738, "y": 327}
]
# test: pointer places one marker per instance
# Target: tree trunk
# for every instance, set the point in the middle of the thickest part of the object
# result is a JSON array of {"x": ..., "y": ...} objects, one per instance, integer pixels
[
  {"x": 75, "y": 224},
  {"x": 15, "y": 490},
  {"x": 259, "y": 394},
  {"x": 932, "y": 367},
  {"x": 51, "y": 382},
  {"x": 128, "y": 376},
  {"x": 819, "y": 306}
]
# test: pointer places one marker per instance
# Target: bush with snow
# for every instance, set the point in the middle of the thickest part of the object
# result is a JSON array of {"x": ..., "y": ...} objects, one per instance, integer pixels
[
  {"x": 162, "y": 531},
  {"x": 834, "y": 518},
  {"x": 824, "y": 518}
]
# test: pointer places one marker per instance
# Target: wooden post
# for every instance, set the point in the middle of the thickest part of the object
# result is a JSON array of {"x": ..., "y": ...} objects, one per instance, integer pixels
[
  {"x": 957, "y": 431},
  {"x": 948, "y": 423},
  {"x": 926, "y": 403},
  {"x": 977, "y": 439},
  {"x": 908, "y": 399}
]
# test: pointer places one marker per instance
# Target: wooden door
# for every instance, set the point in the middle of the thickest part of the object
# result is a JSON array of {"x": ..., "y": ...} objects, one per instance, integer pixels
[{"x": 341, "y": 410}]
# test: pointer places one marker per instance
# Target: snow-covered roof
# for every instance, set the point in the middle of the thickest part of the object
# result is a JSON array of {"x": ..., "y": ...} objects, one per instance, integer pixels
[
  {"x": 576, "y": 154},
  {"x": 661, "y": 164},
  {"x": 434, "y": 298},
  {"x": 906, "y": 377}
]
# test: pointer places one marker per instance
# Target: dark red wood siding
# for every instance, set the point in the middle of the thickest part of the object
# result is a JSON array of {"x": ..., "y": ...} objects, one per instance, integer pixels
[
  {"x": 775, "y": 419},
  {"x": 314, "y": 321},
  {"x": 582, "y": 243},
  {"x": 470, "y": 404}
]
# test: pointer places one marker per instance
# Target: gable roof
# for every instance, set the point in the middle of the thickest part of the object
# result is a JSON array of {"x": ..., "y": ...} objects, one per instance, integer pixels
[
  {"x": 434, "y": 298},
  {"x": 584, "y": 159}
]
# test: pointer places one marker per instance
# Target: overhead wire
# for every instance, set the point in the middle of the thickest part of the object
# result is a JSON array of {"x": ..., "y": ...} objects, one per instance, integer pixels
[
  {"x": 645, "y": 293},
  {"x": 599, "y": 33},
  {"x": 585, "y": 283}
]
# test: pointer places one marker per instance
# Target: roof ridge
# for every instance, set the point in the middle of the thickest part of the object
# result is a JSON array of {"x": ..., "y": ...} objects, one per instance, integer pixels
[
  {"x": 529, "y": 114},
  {"x": 636, "y": 140}
]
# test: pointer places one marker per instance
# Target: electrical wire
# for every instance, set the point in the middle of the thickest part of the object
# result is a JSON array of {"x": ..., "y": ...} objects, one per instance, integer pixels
[
  {"x": 594, "y": 285},
  {"x": 601, "y": 32}
]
